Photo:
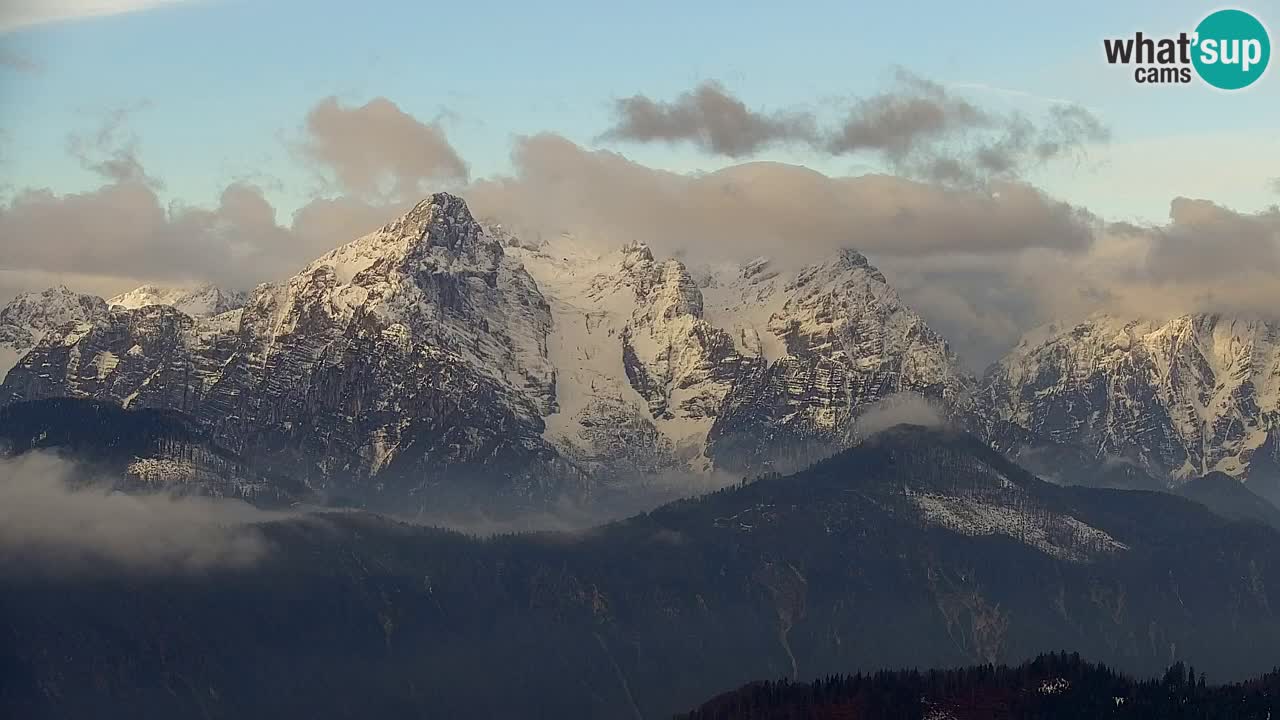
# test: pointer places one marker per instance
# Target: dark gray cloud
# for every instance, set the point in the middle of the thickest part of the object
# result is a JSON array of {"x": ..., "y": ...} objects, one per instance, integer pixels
[
  {"x": 917, "y": 127},
  {"x": 897, "y": 122},
  {"x": 379, "y": 151},
  {"x": 922, "y": 130},
  {"x": 711, "y": 118},
  {"x": 54, "y": 520}
]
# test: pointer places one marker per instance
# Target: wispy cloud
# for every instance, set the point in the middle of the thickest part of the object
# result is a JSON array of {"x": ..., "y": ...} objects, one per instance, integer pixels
[
  {"x": 16, "y": 14},
  {"x": 917, "y": 127},
  {"x": 1014, "y": 93}
]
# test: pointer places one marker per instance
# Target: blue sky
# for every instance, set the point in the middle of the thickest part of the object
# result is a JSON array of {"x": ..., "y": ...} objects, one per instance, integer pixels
[{"x": 221, "y": 87}]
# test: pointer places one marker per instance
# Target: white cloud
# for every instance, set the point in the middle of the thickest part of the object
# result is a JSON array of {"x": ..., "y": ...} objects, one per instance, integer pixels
[
  {"x": 897, "y": 409},
  {"x": 52, "y": 520},
  {"x": 15, "y": 14}
]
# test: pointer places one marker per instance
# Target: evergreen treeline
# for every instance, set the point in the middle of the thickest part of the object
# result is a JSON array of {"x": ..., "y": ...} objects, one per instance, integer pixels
[{"x": 1051, "y": 687}]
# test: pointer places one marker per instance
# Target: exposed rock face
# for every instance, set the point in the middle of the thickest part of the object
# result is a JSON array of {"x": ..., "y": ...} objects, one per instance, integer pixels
[
  {"x": 1182, "y": 398},
  {"x": 28, "y": 317},
  {"x": 831, "y": 340},
  {"x": 133, "y": 357},
  {"x": 740, "y": 368}
]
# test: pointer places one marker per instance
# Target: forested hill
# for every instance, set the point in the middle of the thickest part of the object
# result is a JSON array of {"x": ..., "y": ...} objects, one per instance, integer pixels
[
  {"x": 1052, "y": 687},
  {"x": 920, "y": 548}
]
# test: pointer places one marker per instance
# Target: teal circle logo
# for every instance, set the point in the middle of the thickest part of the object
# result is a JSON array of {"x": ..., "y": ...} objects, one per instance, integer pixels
[{"x": 1231, "y": 49}]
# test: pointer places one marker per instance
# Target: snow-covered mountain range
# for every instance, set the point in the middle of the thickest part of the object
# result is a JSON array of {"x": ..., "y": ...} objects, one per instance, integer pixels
[{"x": 438, "y": 348}]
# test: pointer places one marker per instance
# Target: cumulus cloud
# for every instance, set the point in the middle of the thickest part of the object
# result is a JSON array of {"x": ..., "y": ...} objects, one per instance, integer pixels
[
  {"x": 15, "y": 14},
  {"x": 377, "y": 150},
  {"x": 123, "y": 230},
  {"x": 711, "y": 118},
  {"x": 761, "y": 208},
  {"x": 53, "y": 521},
  {"x": 1207, "y": 258},
  {"x": 1207, "y": 241}
]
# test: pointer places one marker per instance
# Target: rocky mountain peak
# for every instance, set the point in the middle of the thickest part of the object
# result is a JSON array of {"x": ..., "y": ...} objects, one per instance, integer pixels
[
  {"x": 636, "y": 253},
  {"x": 851, "y": 258},
  {"x": 443, "y": 219},
  {"x": 842, "y": 268},
  {"x": 675, "y": 293}
]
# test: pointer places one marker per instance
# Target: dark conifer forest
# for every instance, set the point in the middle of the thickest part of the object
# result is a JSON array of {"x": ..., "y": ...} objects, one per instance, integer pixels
[{"x": 1056, "y": 686}]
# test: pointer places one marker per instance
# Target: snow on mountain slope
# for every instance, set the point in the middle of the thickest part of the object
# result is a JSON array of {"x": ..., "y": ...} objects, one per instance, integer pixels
[
  {"x": 600, "y": 419},
  {"x": 199, "y": 301},
  {"x": 28, "y": 317},
  {"x": 1182, "y": 397},
  {"x": 832, "y": 339},
  {"x": 729, "y": 366},
  {"x": 435, "y": 277}
]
